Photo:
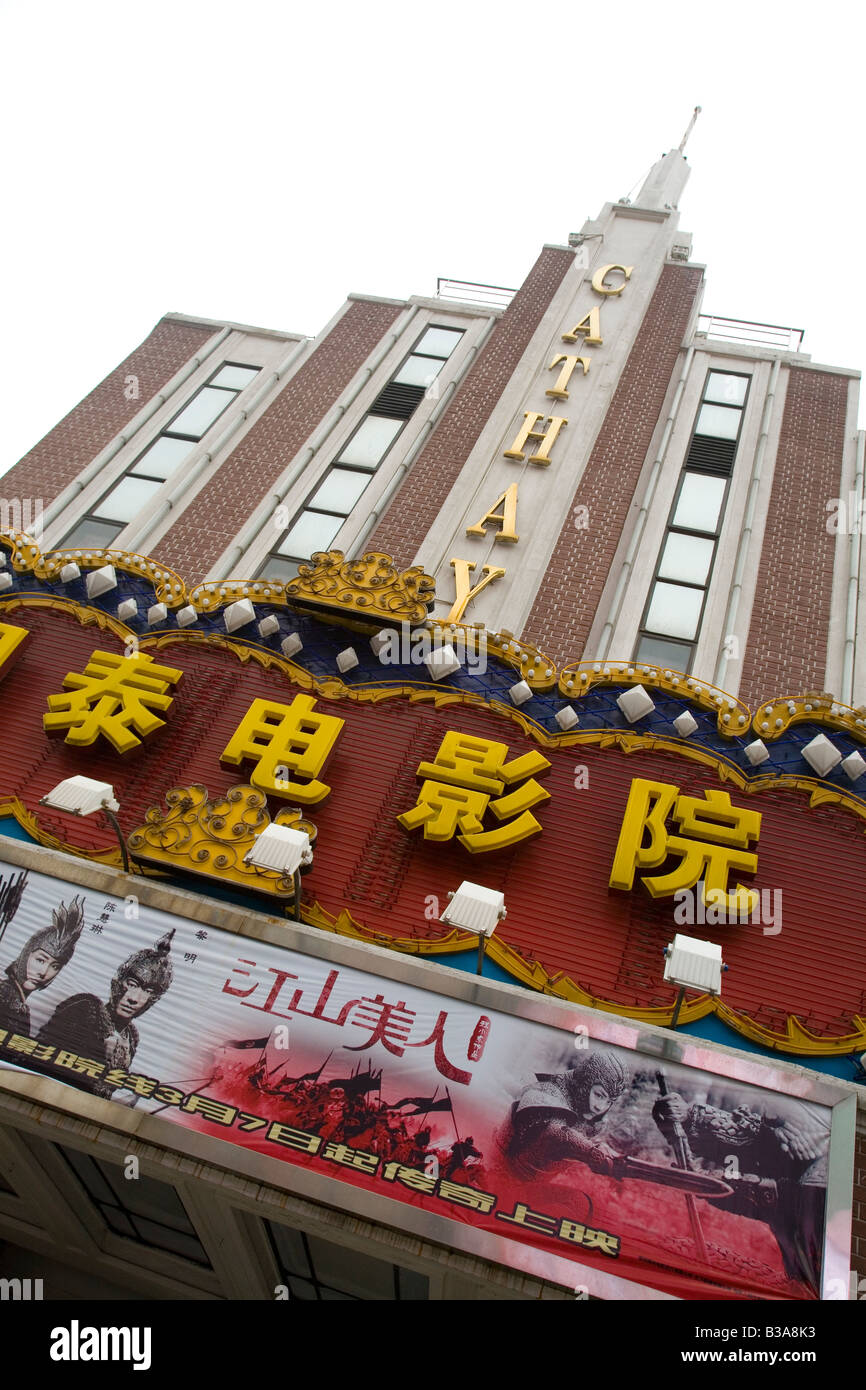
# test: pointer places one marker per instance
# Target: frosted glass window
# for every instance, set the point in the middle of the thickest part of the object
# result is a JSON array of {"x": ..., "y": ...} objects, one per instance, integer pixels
[
  {"x": 340, "y": 490},
  {"x": 668, "y": 655},
  {"x": 369, "y": 443},
  {"x": 699, "y": 503},
  {"x": 439, "y": 342},
  {"x": 201, "y": 412},
  {"x": 687, "y": 558},
  {"x": 675, "y": 610},
  {"x": 312, "y": 531},
  {"x": 718, "y": 421},
  {"x": 163, "y": 457},
  {"x": 127, "y": 499},
  {"x": 730, "y": 390},
  {"x": 419, "y": 371},
  {"x": 235, "y": 377}
]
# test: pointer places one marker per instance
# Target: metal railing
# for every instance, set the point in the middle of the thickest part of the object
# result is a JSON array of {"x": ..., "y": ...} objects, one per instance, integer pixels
[
  {"x": 469, "y": 291},
  {"x": 768, "y": 335}
]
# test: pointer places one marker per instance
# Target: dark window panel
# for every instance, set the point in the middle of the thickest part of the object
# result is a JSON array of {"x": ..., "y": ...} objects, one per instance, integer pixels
[
  {"x": 161, "y": 1237},
  {"x": 88, "y": 1173},
  {"x": 303, "y": 1290},
  {"x": 118, "y": 1222},
  {"x": 148, "y": 1197},
  {"x": 411, "y": 1285},
  {"x": 350, "y": 1271},
  {"x": 291, "y": 1254}
]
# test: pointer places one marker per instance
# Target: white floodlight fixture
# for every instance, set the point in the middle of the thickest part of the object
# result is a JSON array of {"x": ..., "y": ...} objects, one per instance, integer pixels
[
  {"x": 693, "y": 964},
  {"x": 81, "y": 796},
  {"x": 285, "y": 851},
  {"x": 475, "y": 909}
]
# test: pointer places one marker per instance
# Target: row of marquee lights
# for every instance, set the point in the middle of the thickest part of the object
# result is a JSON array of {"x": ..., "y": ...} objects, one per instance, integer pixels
[
  {"x": 589, "y": 327},
  {"x": 121, "y": 699}
]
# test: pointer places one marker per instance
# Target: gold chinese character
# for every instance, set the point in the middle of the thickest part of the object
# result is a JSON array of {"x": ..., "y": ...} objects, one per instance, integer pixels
[
  {"x": 713, "y": 844},
  {"x": 289, "y": 744},
  {"x": 466, "y": 773},
  {"x": 116, "y": 695}
]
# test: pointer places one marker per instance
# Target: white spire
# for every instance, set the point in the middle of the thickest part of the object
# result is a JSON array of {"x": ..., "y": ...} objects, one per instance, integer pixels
[
  {"x": 667, "y": 178},
  {"x": 689, "y": 128}
]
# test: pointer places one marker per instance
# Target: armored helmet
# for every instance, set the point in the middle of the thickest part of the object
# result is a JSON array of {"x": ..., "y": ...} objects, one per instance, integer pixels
[
  {"x": 57, "y": 940},
  {"x": 150, "y": 967},
  {"x": 596, "y": 1069}
]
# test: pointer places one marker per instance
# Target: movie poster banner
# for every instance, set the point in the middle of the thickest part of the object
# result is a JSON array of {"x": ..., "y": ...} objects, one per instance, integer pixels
[{"x": 678, "y": 1179}]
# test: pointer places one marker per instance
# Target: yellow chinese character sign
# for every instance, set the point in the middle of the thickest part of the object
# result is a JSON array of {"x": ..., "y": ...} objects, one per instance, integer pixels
[
  {"x": 712, "y": 844},
  {"x": 467, "y": 778},
  {"x": 115, "y": 697},
  {"x": 289, "y": 744},
  {"x": 12, "y": 643}
]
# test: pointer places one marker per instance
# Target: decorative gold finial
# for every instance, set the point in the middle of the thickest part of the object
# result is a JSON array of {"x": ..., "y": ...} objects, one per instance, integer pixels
[
  {"x": 371, "y": 587},
  {"x": 208, "y": 837}
]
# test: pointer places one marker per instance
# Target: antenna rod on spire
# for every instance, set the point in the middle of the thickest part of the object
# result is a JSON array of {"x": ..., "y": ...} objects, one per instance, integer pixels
[{"x": 689, "y": 129}]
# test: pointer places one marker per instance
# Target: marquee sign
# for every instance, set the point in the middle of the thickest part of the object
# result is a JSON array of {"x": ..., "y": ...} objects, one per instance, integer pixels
[
  {"x": 605, "y": 838},
  {"x": 538, "y": 1143}
]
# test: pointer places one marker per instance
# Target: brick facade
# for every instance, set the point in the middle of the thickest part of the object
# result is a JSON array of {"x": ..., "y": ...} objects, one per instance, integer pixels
[
  {"x": 214, "y": 517},
  {"x": 566, "y": 604},
  {"x": 786, "y": 651},
  {"x": 58, "y": 458},
  {"x": 418, "y": 502}
]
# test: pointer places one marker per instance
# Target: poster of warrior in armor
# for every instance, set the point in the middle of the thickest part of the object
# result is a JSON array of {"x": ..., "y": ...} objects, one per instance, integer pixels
[{"x": 555, "y": 1143}]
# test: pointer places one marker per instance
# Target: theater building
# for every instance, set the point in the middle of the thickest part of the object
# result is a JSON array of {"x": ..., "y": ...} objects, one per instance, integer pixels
[{"x": 538, "y": 613}]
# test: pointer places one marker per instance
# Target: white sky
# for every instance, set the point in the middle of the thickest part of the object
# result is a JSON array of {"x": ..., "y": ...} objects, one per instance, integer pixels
[{"x": 259, "y": 161}]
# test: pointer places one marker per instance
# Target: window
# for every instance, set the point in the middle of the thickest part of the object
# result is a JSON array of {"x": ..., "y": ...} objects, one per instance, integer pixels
[
  {"x": 675, "y": 606},
  {"x": 144, "y": 1210},
  {"x": 161, "y": 459},
  {"x": 317, "y": 1270},
  {"x": 317, "y": 523}
]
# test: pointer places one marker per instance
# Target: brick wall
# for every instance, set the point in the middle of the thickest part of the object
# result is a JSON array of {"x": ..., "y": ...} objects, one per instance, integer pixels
[
  {"x": 417, "y": 503},
  {"x": 786, "y": 650},
  {"x": 58, "y": 458},
  {"x": 565, "y": 606},
  {"x": 214, "y": 517}
]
